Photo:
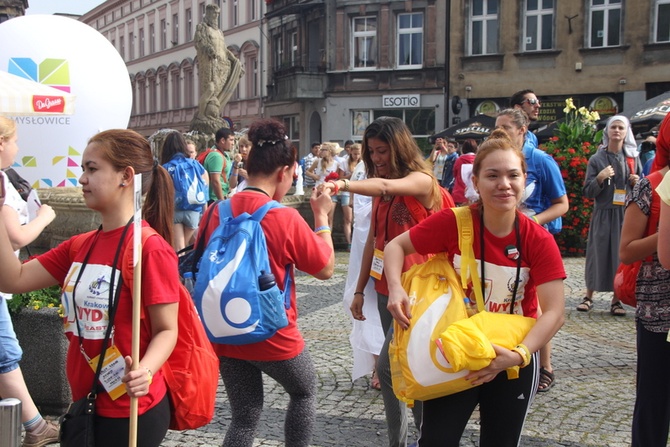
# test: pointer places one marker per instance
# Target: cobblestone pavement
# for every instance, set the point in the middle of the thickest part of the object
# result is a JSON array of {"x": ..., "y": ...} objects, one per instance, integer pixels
[{"x": 590, "y": 405}]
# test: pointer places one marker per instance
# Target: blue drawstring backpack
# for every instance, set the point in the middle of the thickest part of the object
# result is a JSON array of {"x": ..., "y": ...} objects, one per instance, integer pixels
[
  {"x": 190, "y": 190},
  {"x": 232, "y": 305}
]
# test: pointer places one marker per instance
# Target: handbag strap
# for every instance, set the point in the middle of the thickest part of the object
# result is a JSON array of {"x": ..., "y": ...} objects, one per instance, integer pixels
[
  {"x": 468, "y": 261},
  {"x": 114, "y": 294}
]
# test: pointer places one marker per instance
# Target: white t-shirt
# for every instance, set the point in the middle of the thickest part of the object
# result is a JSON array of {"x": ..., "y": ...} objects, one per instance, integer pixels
[{"x": 14, "y": 201}]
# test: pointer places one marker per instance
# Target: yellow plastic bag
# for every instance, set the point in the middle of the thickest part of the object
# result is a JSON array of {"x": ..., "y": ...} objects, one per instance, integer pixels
[
  {"x": 468, "y": 344},
  {"x": 419, "y": 371}
]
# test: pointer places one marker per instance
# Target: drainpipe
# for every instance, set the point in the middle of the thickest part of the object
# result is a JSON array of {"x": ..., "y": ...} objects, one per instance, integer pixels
[{"x": 447, "y": 62}]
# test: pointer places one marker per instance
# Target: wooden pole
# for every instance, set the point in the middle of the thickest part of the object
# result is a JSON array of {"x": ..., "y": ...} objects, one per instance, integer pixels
[{"x": 137, "y": 302}]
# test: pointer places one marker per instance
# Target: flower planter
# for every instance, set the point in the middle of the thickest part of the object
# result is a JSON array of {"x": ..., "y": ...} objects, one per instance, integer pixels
[{"x": 40, "y": 334}]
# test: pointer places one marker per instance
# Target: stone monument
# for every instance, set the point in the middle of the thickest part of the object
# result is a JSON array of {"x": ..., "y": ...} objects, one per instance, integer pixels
[{"x": 219, "y": 73}]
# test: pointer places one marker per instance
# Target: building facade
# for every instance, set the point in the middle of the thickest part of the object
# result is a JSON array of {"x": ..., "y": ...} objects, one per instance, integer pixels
[
  {"x": 327, "y": 68},
  {"x": 339, "y": 64},
  {"x": 608, "y": 55},
  {"x": 155, "y": 39}
]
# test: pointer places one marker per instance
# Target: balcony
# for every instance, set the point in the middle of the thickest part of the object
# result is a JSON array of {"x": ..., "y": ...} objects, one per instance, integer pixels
[
  {"x": 278, "y": 8},
  {"x": 298, "y": 82}
]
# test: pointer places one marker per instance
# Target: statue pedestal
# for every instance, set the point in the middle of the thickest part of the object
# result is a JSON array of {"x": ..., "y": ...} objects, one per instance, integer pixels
[{"x": 208, "y": 126}]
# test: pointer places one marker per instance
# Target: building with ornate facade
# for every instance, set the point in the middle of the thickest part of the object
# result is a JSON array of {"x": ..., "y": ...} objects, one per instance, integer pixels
[
  {"x": 155, "y": 39},
  {"x": 608, "y": 55},
  {"x": 329, "y": 67}
]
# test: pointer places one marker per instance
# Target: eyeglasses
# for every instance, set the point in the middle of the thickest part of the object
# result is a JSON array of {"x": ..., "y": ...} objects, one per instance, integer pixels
[{"x": 532, "y": 102}]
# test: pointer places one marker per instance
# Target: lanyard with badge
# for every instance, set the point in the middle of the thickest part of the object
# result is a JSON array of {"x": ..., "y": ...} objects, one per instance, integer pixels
[
  {"x": 378, "y": 257},
  {"x": 110, "y": 371},
  {"x": 511, "y": 252},
  {"x": 619, "y": 197}
]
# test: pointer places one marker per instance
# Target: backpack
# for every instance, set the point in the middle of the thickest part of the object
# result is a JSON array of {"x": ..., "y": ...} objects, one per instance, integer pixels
[
  {"x": 192, "y": 370},
  {"x": 186, "y": 257},
  {"x": 625, "y": 278},
  {"x": 235, "y": 307},
  {"x": 20, "y": 184},
  {"x": 191, "y": 191},
  {"x": 203, "y": 156},
  {"x": 419, "y": 212}
]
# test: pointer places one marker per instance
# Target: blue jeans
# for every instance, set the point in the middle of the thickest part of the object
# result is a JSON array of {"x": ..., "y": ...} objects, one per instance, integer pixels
[{"x": 10, "y": 351}]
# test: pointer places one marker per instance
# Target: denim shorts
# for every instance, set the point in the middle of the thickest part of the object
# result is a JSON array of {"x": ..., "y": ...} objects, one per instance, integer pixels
[
  {"x": 342, "y": 198},
  {"x": 10, "y": 351},
  {"x": 190, "y": 219}
]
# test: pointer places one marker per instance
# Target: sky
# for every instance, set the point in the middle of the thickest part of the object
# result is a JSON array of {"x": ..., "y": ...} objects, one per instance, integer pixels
[{"x": 64, "y": 6}]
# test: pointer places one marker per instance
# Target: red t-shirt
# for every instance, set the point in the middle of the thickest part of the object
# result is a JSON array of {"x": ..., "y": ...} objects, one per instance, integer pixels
[
  {"x": 392, "y": 218},
  {"x": 541, "y": 260},
  {"x": 458, "y": 191},
  {"x": 290, "y": 241},
  {"x": 160, "y": 285}
]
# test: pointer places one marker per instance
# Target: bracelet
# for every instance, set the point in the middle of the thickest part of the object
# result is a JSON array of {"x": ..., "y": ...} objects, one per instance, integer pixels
[
  {"x": 322, "y": 231},
  {"x": 346, "y": 185},
  {"x": 359, "y": 293},
  {"x": 534, "y": 217},
  {"x": 149, "y": 374},
  {"x": 524, "y": 352},
  {"x": 335, "y": 187},
  {"x": 322, "y": 228}
]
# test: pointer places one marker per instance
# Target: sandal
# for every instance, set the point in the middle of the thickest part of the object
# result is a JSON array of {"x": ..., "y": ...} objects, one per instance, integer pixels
[
  {"x": 546, "y": 381},
  {"x": 586, "y": 305},
  {"x": 374, "y": 381},
  {"x": 617, "y": 309}
]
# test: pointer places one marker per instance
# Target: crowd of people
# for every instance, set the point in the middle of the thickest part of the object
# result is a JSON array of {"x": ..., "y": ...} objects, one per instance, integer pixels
[{"x": 396, "y": 208}]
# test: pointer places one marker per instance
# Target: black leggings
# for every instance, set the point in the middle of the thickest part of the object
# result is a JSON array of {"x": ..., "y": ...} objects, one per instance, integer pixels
[
  {"x": 151, "y": 427},
  {"x": 651, "y": 416},
  {"x": 243, "y": 380},
  {"x": 503, "y": 406}
]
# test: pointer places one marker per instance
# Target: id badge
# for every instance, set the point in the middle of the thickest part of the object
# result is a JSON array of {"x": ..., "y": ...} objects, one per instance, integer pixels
[
  {"x": 112, "y": 372},
  {"x": 377, "y": 264},
  {"x": 619, "y": 197}
]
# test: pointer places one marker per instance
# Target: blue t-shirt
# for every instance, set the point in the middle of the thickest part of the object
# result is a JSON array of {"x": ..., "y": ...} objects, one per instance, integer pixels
[{"x": 544, "y": 182}]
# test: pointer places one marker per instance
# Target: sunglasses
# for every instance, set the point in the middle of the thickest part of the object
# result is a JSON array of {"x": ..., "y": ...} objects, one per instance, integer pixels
[{"x": 532, "y": 102}]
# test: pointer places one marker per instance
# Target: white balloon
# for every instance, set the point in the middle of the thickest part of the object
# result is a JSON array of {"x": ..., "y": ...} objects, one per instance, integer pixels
[{"x": 66, "y": 54}]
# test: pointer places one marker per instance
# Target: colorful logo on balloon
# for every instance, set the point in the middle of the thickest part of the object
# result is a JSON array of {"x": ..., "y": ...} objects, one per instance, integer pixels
[{"x": 54, "y": 73}]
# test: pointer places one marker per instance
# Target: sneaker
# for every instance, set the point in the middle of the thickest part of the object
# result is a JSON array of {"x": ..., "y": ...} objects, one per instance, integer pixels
[{"x": 49, "y": 435}]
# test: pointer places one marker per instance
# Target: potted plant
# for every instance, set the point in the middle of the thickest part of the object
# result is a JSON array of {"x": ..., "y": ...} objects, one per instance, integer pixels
[
  {"x": 38, "y": 323},
  {"x": 575, "y": 140}
]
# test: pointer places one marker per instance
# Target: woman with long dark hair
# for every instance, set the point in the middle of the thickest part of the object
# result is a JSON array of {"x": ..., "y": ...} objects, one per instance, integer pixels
[{"x": 405, "y": 192}]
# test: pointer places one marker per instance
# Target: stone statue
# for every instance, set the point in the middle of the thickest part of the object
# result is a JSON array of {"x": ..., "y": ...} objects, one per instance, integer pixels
[{"x": 219, "y": 72}]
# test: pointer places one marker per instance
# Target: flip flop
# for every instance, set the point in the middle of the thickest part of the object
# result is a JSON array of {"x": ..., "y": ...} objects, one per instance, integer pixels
[{"x": 546, "y": 381}]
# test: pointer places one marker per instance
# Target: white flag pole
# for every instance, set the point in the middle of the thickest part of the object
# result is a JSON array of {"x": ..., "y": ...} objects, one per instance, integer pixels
[{"x": 137, "y": 301}]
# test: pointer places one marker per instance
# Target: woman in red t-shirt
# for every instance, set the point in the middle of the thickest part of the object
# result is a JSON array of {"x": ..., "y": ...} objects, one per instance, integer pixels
[
  {"x": 270, "y": 167},
  {"x": 405, "y": 191},
  {"x": 90, "y": 278},
  {"x": 499, "y": 231}
]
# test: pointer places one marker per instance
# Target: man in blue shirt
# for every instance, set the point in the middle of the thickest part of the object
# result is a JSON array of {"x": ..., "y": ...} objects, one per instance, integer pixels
[{"x": 545, "y": 196}]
